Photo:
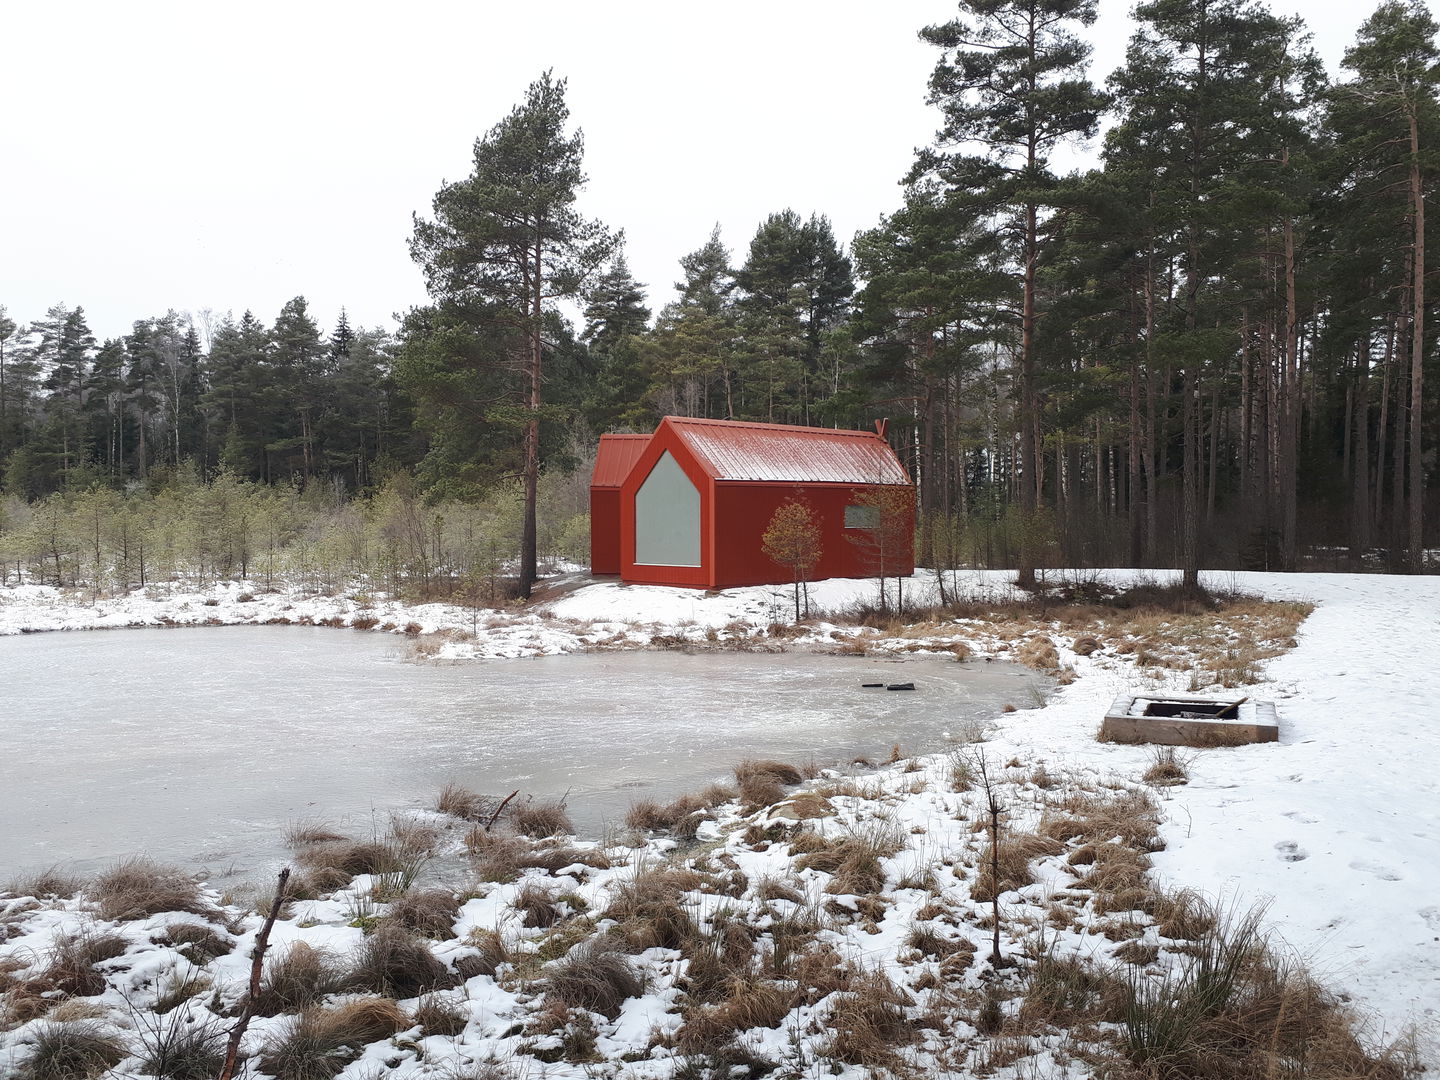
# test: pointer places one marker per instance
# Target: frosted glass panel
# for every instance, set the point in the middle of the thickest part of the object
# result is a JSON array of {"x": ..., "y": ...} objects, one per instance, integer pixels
[{"x": 667, "y": 517}]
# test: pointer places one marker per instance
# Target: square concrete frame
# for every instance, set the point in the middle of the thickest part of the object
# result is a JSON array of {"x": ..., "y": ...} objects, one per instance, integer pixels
[{"x": 1256, "y": 722}]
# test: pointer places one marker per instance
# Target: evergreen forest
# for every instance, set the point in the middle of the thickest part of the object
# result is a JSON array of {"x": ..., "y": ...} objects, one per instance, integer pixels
[{"x": 1211, "y": 348}]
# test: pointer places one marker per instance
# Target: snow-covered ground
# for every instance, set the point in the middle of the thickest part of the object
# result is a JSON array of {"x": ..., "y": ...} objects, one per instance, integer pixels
[{"x": 1336, "y": 826}]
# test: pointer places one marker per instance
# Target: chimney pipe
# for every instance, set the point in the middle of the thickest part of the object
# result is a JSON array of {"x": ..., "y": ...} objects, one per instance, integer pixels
[{"x": 881, "y": 426}]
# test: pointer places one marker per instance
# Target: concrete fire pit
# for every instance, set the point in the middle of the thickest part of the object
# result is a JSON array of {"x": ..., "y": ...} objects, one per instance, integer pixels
[{"x": 1175, "y": 720}]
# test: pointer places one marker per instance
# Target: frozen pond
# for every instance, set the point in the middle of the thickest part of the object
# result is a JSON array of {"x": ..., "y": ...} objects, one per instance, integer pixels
[{"x": 198, "y": 746}]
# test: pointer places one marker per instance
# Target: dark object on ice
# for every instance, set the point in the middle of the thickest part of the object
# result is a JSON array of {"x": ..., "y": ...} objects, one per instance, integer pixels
[
  {"x": 900, "y": 686},
  {"x": 870, "y": 685}
]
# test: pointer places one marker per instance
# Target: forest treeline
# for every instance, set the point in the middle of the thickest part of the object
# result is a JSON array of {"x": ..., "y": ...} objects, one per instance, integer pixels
[{"x": 1215, "y": 347}]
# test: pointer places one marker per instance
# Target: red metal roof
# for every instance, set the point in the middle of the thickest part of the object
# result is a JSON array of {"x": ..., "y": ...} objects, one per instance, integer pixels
[
  {"x": 736, "y": 450},
  {"x": 613, "y": 460}
]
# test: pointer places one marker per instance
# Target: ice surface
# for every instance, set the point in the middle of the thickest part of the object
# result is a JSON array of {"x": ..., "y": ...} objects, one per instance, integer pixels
[{"x": 199, "y": 745}]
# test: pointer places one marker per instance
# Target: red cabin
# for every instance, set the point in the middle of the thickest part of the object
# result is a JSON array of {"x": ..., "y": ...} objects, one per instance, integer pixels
[{"x": 695, "y": 499}]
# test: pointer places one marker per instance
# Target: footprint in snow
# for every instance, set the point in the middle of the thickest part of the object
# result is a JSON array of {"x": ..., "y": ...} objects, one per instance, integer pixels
[
  {"x": 1304, "y": 819},
  {"x": 1289, "y": 851},
  {"x": 1384, "y": 873},
  {"x": 1431, "y": 915}
]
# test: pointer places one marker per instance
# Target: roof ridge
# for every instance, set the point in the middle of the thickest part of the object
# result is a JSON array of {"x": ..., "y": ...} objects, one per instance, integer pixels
[{"x": 788, "y": 428}]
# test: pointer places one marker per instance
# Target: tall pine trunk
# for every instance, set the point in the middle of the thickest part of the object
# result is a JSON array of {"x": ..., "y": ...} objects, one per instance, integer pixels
[
  {"x": 531, "y": 472},
  {"x": 1360, "y": 468},
  {"x": 1414, "y": 532}
]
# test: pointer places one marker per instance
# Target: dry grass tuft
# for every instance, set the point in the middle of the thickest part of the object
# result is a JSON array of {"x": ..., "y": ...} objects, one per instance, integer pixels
[
  {"x": 1237, "y": 1010},
  {"x": 72, "y": 957},
  {"x": 465, "y": 804},
  {"x": 1038, "y": 652},
  {"x": 722, "y": 954},
  {"x": 649, "y": 912},
  {"x": 1130, "y": 817},
  {"x": 349, "y": 857},
  {"x": 1065, "y": 991},
  {"x": 682, "y": 816},
  {"x": 500, "y": 856},
  {"x": 297, "y": 978},
  {"x": 855, "y": 860},
  {"x": 395, "y": 962},
  {"x": 928, "y": 941},
  {"x": 70, "y": 965},
  {"x": 1167, "y": 769},
  {"x": 300, "y": 833},
  {"x": 778, "y": 770},
  {"x": 539, "y": 820},
  {"x": 750, "y": 1003},
  {"x": 869, "y": 1023},
  {"x": 1185, "y": 916},
  {"x": 595, "y": 977},
  {"x": 431, "y": 912},
  {"x": 1119, "y": 877},
  {"x": 139, "y": 887},
  {"x": 491, "y": 952},
  {"x": 52, "y": 883},
  {"x": 70, "y": 1051},
  {"x": 438, "y": 1015},
  {"x": 763, "y": 783},
  {"x": 198, "y": 942},
  {"x": 318, "y": 1043},
  {"x": 1136, "y": 953},
  {"x": 1016, "y": 852},
  {"x": 179, "y": 987},
  {"x": 770, "y": 888},
  {"x": 413, "y": 836},
  {"x": 537, "y": 906},
  {"x": 1086, "y": 644}
]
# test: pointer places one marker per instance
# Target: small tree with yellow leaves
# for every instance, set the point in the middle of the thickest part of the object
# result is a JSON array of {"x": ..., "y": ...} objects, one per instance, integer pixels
[{"x": 792, "y": 540}]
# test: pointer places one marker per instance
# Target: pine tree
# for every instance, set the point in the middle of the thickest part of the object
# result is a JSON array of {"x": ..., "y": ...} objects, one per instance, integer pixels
[
  {"x": 341, "y": 339},
  {"x": 708, "y": 276},
  {"x": 144, "y": 387},
  {"x": 236, "y": 374},
  {"x": 508, "y": 241},
  {"x": 105, "y": 405},
  {"x": 1207, "y": 104},
  {"x": 64, "y": 349},
  {"x": 615, "y": 318},
  {"x": 933, "y": 278},
  {"x": 299, "y": 364},
  {"x": 1010, "y": 80},
  {"x": 794, "y": 286},
  {"x": 1394, "y": 98},
  {"x": 8, "y": 331},
  {"x": 688, "y": 359}
]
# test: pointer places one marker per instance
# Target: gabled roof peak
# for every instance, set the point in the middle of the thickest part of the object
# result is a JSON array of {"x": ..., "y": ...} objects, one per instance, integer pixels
[{"x": 754, "y": 451}]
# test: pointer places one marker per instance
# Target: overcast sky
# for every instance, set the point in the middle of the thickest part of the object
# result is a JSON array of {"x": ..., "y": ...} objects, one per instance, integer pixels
[{"x": 191, "y": 156}]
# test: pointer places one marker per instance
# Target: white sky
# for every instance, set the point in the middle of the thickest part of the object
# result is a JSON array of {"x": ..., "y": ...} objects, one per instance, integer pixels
[{"x": 175, "y": 154}]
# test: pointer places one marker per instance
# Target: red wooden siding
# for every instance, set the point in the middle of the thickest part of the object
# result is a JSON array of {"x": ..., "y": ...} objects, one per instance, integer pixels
[
  {"x": 746, "y": 509},
  {"x": 617, "y": 453}
]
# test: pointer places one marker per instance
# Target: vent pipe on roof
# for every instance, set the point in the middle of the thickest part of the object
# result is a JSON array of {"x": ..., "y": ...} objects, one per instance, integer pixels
[{"x": 881, "y": 426}]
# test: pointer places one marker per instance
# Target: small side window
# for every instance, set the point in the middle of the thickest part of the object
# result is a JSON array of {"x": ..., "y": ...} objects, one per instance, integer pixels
[{"x": 862, "y": 517}]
